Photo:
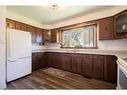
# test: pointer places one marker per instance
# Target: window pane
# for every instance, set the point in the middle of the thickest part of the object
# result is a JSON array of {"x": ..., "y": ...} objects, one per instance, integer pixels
[{"x": 81, "y": 37}]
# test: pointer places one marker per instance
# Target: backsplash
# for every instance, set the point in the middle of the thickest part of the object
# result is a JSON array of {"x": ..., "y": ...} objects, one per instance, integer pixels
[
  {"x": 38, "y": 47},
  {"x": 120, "y": 44},
  {"x": 52, "y": 46}
]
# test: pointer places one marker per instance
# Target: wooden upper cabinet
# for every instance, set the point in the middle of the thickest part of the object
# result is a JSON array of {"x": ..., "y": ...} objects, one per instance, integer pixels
[
  {"x": 106, "y": 29},
  {"x": 21, "y": 26},
  {"x": 10, "y": 23},
  {"x": 120, "y": 25},
  {"x": 32, "y": 29},
  {"x": 54, "y": 35},
  {"x": 47, "y": 36},
  {"x": 39, "y": 35},
  {"x": 50, "y": 36}
]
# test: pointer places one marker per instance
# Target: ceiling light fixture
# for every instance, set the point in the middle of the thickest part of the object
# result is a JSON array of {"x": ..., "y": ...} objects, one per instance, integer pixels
[{"x": 54, "y": 7}]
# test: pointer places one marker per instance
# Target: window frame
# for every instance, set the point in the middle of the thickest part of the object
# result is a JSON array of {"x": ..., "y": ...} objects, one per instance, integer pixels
[{"x": 94, "y": 37}]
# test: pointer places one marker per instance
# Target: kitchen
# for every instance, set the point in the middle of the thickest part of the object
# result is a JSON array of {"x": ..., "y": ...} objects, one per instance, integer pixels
[{"x": 84, "y": 49}]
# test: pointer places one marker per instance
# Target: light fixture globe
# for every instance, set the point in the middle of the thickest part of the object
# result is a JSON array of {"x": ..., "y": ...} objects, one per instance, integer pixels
[{"x": 54, "y": 7}]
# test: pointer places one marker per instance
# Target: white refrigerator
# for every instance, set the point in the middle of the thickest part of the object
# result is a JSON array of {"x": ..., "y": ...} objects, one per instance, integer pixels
[{"x": 18, "y": 54}]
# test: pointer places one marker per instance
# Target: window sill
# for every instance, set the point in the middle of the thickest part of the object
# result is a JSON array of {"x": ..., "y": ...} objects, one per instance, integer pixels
[{"x": 80, "y": 47}]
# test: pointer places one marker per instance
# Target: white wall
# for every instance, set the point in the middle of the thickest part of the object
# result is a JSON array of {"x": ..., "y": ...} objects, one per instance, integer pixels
[
  {"x": 38, "y": 47},
  {"x": 2, "y": 48},
  {"x": 120, "y": 44},
  {"x": 23, "y": 19}
]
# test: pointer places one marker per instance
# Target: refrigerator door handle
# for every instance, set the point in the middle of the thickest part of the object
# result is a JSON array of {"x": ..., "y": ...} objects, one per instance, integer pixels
[
  {"x": 24, "y": 57},
  {"x": 12, "y": 59}
]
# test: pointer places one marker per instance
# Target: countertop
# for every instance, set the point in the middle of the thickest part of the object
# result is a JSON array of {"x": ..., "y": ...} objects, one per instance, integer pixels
[{"x": 118, "y": 53}]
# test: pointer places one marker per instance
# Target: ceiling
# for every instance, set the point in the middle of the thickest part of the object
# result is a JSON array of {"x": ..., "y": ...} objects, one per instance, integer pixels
[{"x": 46, "y": 15}]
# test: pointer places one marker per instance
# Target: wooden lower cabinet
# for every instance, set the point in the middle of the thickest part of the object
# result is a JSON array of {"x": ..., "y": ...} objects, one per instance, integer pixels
[
  {"x": 41, "y": 60},
  {"x": 34, "y": 61},
  {"x": 48, "y": 59},
  {"x": 110, "y": 73},
  {"x": 102, "y": 67},
  {"x": 38, "y": 61},
  {"x": 65, "y": 61},
  {"x": 59, "y": 60},
  {"x": 87, "y": 65},
  {"x": 76, "y": 63},
  {"x": 98, "y": 66}
]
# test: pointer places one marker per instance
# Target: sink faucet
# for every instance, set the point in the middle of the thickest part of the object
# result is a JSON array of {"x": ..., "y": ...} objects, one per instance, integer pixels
[{"x": 75, "y": 50}]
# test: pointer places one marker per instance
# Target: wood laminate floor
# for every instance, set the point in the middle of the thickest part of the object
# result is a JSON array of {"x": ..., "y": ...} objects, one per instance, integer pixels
[{"x": 51, "y": 78}]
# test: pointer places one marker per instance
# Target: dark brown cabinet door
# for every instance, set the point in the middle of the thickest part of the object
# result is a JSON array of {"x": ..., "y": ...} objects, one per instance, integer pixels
[
  {"x": 58, "y": 61},
  {"x": 48, "y": 59},
  {"x": 10, "y": 23},
  {"x": 76, "y": 61},
  {"x": 39, "y": 36},
  {"x": 106, "y": 29},
  {"x": 21, "y": 26},
  {"x": 47, "y": 36},
  {"x": 65, "y": 62},
  {"x": 41, "y": 60},
  {"x": 38, "y": 61},
  {"x": 32, "y": 29},
  {"x": 51, "y": 59},
  {"x": 54, "y": 35},
  {"x": 111, "y": 69},
  {"x": 34, "y": 61},
  {"x": 54, "y": 60},
  {"x": 50, "y": 36},
  {"x": 120, "y": 25},
  {"x": 98, "y": 66},
  {"x": 87, "y": 65}
]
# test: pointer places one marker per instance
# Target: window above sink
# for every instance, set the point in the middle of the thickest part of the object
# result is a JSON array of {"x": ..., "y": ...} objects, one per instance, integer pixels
[{"x": 81, "y": 37}]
